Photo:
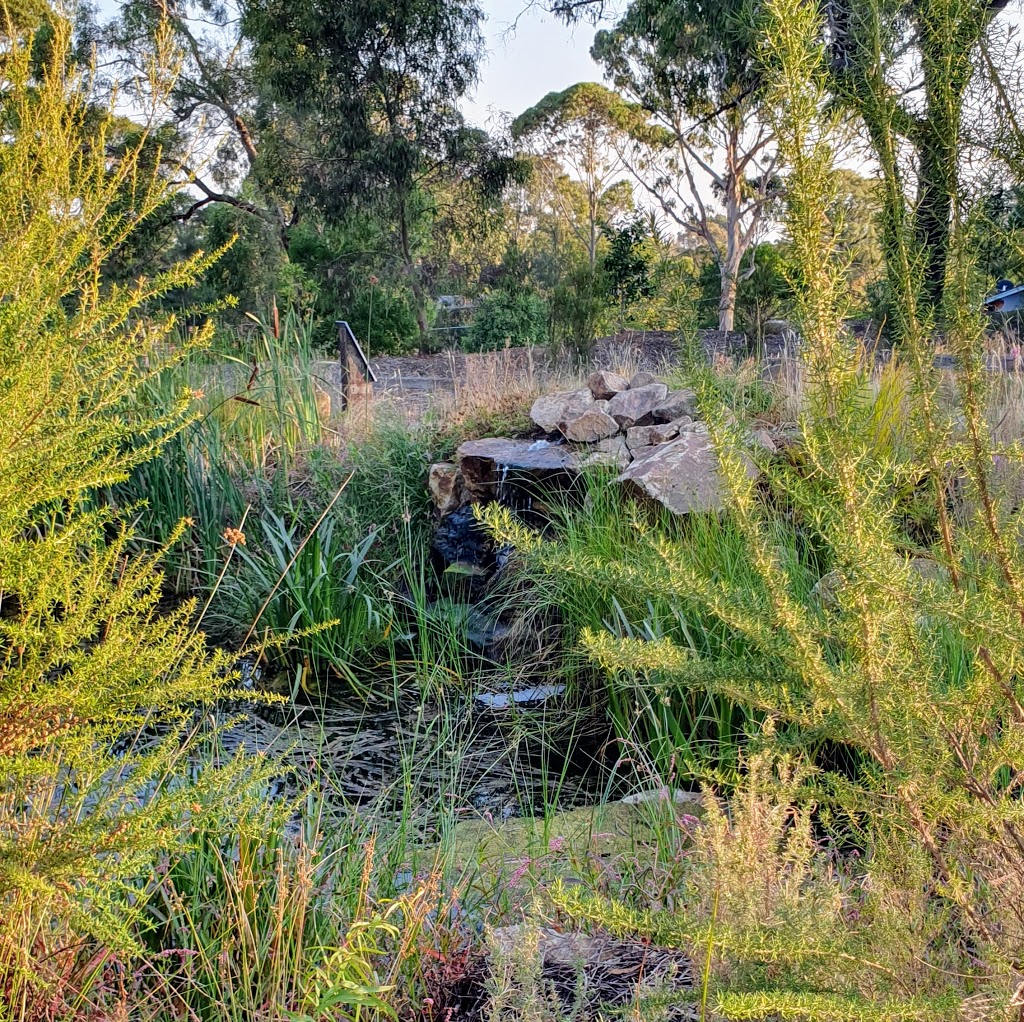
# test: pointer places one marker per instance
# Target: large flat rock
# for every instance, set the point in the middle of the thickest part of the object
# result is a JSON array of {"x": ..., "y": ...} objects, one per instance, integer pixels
[
  {"x": 635, "y": 407},
  {"x": 683, "y": 475},
  {"x": 486, "y": 463},
  {"x": 590, "y": 427}
]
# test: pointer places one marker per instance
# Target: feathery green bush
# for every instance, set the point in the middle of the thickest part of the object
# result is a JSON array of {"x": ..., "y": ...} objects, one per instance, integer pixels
[
  {"x": 98, "y": 688},
  {"x": 905, "y": 653}
]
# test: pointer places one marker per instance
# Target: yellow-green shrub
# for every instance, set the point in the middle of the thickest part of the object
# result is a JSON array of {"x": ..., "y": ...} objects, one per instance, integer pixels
[{"x": 97, "y": 686}]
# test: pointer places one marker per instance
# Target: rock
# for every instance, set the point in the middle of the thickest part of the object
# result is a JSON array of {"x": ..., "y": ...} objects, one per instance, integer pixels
[
  {"x": 444, "y": 481},
  {"x": 591, "y": 975},
  {"x": 639, "y": 436},
  {"x": 683, "y": 475},
  {"x": 610, "y": 453},
  {"x": 590, "y": 427},
  {"x": 826, "y": 589},
  {"x": 662, "y": 433},
  {"x": 323, "y": 403},
  {"x": 635, "y": 407},
  {"x": 549, "y": 411},
  {"x": 763, "y": 439},
  {"x": 642, "y": 380},
  {"x": 463, "y": 555},
  {"x": 929, "y": 570},
  {"x": 613, "y": 445},
  {"x": 676, "y": 405},
  {"x": 488, "y": 464},
  {"x": 657, "y": 796},
  {"x": 604, "y": 384}
]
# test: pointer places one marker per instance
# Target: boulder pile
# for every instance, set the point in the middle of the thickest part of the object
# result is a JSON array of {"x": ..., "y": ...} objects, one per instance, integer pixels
[{"x": 649, "y": 435}]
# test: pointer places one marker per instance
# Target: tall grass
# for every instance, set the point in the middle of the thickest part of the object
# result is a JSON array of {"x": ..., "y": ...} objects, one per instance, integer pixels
[
  {"x": 592, "y": 573},
  {"x": 254, "y": 416},
  {"x": 264, "y": 923},
  {"x": 310, "y": 592}
]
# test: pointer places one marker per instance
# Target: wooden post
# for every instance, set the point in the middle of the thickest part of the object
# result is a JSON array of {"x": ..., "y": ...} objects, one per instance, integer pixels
[{"x": 357, "y": 378}]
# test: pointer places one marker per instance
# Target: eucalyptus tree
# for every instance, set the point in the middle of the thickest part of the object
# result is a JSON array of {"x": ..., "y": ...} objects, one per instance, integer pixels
[
  {"x": 580, "y": 131},
  {"x": 225, "y": 153},
  {"x": 907, "y": 68},
  {"x": 691, "y": 66},
  {"x": 373, "y": 89}
]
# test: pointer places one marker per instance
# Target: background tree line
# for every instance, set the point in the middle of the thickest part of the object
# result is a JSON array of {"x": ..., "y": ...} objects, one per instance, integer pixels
[{"x": 328, "y": 140}]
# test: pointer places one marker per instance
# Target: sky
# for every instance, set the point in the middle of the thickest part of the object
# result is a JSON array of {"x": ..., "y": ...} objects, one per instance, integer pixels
[{"x": 529, "y": 54}]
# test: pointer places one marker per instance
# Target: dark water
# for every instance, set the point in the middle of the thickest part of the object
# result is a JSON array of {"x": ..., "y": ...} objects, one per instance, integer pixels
[{"x": 509, "y": 761}]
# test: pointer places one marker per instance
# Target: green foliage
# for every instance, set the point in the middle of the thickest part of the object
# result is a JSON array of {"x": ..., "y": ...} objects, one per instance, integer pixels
[
  {"x": 870, "y": 45},
  {"x": 580, "y": 310},
  {"x": 383, "y": 318},
  {"x": 87, "y": 661},
  {"x": 308, "y": 592},
  {"x": 508, "y": 318},
  {"x": 252, "y": 269},
  {"x": 375, "y": 93},
  {"x": 626, "y": 265},
  {"x": 387, "y": 492},
  {"x": 256, "y": 414},
  {"x": 766, "y": 292},
  {"x": 763, "y": 291},
  {"x": 592, "y": 568},
  {"x": 580, "y": 130},
  {"x": 691, "y": 69},
  {"x": 676, "y": 300},
  {"x": 904, "y": 652},
  {"x": 263, "y": 923}
]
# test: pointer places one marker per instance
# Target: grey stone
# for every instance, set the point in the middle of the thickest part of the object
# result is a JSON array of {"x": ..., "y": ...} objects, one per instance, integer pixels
[
  {"x": 614, "y": 444},
  {"x": 521, "y": 697},
  {"x": 604, "y": 384},
  {"x": 642, "y": 380},
  {"x": 445, "y": 483},
  {"x": 763, "y": 439},
  {"x": 635, "y": 407},
  {"x": 663, "y": 432},
  {"x": 929, "y": 570},
  {"x": 661, "y": 795},
  {"x": 683, "y": 475},
  {"x": 826, "y": 590},
  {"x": 549, "y": 411},
  {"x": 610, "y": 453},
  {"x": 590, "y": 427},
  {"x": 676, "y": 405},
  {"x": 640, "y": 436}
]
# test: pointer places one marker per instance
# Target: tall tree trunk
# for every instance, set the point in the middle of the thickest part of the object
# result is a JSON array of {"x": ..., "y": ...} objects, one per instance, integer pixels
[
  {"x": 592, "y": 239},
  {"x": 727, "y": 303},
  {"x": 946, "y": 47},
  {"x": 411, "y": 272},
  {"x": 729, "y": 264}
]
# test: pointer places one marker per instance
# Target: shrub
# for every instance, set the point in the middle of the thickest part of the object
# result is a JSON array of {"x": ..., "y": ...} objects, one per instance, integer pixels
[
  {"x": 580, "y": 310},
  {"x": 384, "y": 319},
  {"x": 272, "y": 925},
  {"x": 86, "y": 660},
  {"x": 503, "y": 319},
  {"x": 309, "y": 591},
  {"x": 906, "y": 653}
]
